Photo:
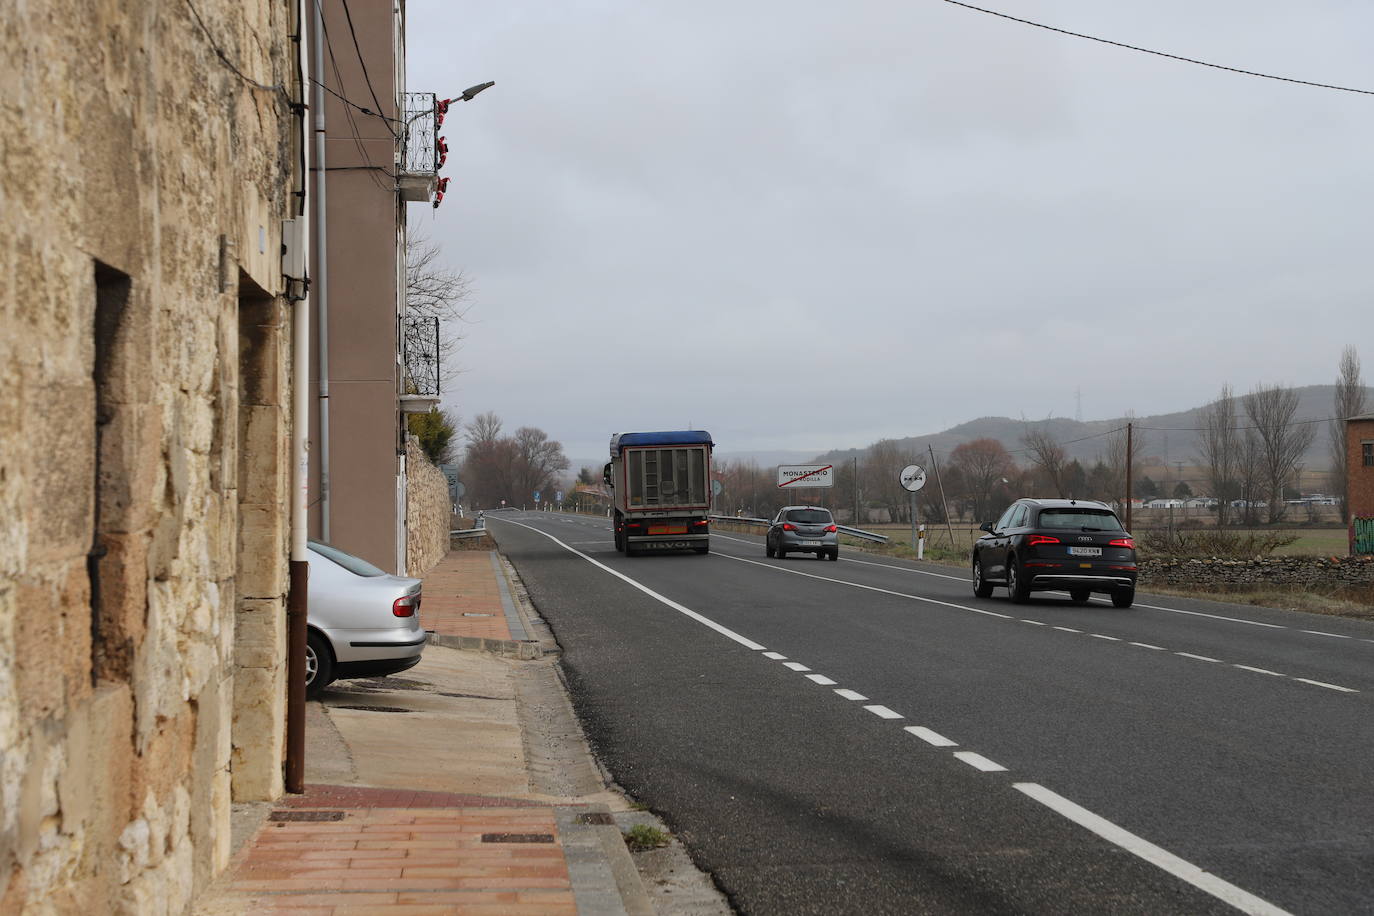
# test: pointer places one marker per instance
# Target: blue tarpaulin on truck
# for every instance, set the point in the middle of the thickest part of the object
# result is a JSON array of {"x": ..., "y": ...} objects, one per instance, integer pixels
[{"x": 666, "y": 437}]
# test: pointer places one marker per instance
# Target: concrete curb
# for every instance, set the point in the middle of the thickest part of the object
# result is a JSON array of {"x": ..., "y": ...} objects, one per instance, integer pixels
[
  {"x": 511, "y": 648},
  {"x": 604, "y": 877}
]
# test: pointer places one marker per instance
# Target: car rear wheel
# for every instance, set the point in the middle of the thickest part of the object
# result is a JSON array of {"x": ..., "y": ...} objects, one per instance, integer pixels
[
  {"x": 982, "y": 588},
  {"x": 782, "y": 554},
  {"x": 1123, "y": 597},
  {"x": 768, "y": 547},
  {"x": 835, "y": 554},
  {"x": 319, "y": 664},
  {"x": 1018, "y": 589},
  {"x": 1080, "y": 595}
]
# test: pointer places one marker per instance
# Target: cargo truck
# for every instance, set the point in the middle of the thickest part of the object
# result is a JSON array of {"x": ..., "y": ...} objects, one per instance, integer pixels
[{"x": 660, "y": 487}]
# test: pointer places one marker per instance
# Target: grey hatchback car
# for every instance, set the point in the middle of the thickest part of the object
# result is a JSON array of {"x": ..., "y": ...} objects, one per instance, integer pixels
[{"x": 803, "y": 529}]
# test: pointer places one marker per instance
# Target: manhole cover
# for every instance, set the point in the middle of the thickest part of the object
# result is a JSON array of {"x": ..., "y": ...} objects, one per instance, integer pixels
[
  {"x": 600, "y": 818},
  {"x": 306, "y": 816},
  {"x": 375, "y": 708},
  {"x": 517, "y": 838}
]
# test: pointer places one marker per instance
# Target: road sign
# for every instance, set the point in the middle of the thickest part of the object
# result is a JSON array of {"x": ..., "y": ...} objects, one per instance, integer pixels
[
  {"x": 800, "y": 476},
  {"x": 913, "y": 477},
  {"x": 558, "y": 496},
  {"x": 716, "y": 487},
  {"x": 536, "y": 496}
]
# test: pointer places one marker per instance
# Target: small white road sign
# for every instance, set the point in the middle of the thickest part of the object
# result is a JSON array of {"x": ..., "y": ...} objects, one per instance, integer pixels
[
  {"x": 798, "y": 476},
  {"x": 913, "y": 477}
]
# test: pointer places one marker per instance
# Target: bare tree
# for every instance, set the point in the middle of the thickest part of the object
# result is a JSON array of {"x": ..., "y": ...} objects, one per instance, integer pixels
[
  {"x": 980, "y": 466},
  {"x": 1220, "y": 450},
  {"x": 1047, "y": 455},
  {"x": 1349, "y": 402},
  {"x": 1271, "y": 409},
  {"x": 436, "y": 302},
  {"x": 485, "y": 427},
  {"x": 538, "y": 460}
]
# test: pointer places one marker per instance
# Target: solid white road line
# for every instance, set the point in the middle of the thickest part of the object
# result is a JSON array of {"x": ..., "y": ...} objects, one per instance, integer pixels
[
  {"x": 930, "y": 737},
  {"x": 851, "y": 694},
  {"x": 1242, "y": 900},
  {"x": 882, "y": 712},
  {"x": 821, "y": 679},
  {"x": 1320, "y": 633},
  {"x": 979, "y": 762},
  {"x": 1201, "y": 658},
  {"x": 662, "y": 599}
]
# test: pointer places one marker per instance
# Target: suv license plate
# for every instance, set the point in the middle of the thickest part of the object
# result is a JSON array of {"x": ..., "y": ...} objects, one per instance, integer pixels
[
  {"x": 811, "y": 543},
  {"x": 1085, "y": 551}
]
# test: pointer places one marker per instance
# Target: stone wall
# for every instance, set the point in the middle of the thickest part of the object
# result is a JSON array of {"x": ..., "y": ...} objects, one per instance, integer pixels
[
  {"x": 142, "y": 187},
  {"x": 1260, "y": 571},
  {"x": 428, "y": 511}
]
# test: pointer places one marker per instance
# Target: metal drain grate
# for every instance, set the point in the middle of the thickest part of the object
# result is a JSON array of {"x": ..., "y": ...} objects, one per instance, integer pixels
[
  {"x": 375, "y": 708},
  {"x": 599, "y": 818},
  {"x": 517, "y": 838},
  {"x": 306, "y": 816}
]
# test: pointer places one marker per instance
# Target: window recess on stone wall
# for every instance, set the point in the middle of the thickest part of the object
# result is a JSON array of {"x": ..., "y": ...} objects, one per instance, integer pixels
[{"x": 109, "y": 656}]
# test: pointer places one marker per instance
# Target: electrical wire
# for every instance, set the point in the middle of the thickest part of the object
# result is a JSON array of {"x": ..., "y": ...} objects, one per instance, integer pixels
[
  {"x": 348, "y": 115},
  {"x": 1186, "y": 60},
  {"x": 347, "y": 101},
  {"x": 348, "y": 15},
  {"x": 224, "y": 58}
]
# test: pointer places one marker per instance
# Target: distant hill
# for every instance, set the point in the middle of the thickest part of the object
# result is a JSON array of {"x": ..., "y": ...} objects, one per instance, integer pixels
[{"x": 1168, "y": 437}]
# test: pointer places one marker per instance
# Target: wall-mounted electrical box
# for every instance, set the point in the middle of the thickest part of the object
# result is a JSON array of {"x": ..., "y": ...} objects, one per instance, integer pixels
[{"x": 293, "y": 245}]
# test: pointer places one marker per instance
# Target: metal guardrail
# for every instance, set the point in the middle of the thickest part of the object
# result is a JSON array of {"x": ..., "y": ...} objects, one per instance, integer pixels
[
  {"x": 843, "y": 529},
  {"x": 467, "y": 533}
]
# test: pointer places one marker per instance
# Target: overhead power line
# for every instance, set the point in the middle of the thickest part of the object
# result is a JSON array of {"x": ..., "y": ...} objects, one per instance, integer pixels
[
  {"x": 1186, "y": 60},
  {"x": 348, "y": 15},
  {"x": 224, "y": 58}
]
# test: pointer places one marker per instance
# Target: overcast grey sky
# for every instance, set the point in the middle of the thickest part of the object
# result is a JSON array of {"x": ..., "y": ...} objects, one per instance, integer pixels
[{"x": 807, "y": 225}]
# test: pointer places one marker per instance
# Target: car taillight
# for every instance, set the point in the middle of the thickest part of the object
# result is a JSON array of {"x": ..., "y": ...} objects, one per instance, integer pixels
[
  {"x": 788, "y": 526},
  {"x": 1128, "y": 543},
  {"x": 405, "y": 607},
  {"x": 1038, "y": 539},
  {"x": 831, "y": 529}
]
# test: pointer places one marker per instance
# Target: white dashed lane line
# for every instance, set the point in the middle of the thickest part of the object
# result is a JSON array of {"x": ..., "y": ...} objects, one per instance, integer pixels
[
  {"x": 821, "y": 679},
  {"x": 795, "y": 666},
  {"x": 930, "y": 737},
  {"x": 979, "y": 762},
  {"x": 882, "y": 712},
  {"x": 851, "y": 694}
]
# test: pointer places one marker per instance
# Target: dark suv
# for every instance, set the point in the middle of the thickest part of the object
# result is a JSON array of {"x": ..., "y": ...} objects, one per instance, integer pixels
[{"x": 1077, "y": 545}]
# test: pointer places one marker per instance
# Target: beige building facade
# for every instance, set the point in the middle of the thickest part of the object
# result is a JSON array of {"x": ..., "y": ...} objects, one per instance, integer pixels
[
  {"x": 149, "y": 153},
  {"x": 376, "y": 155}
]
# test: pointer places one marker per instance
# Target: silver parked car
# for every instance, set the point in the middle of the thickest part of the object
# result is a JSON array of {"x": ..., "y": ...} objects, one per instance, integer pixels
[
  {"x": 362, "y": 621},
  {"x": 802, "y": 529}
]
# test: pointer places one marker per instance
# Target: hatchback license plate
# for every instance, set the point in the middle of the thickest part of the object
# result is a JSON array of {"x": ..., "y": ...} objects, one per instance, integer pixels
[
  {"x": 811, "y": 543},
  {"x": 1085, "y": 551}
]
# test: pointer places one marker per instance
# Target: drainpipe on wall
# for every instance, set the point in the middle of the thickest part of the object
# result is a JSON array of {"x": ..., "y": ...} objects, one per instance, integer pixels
[
  {"x": 297, "y": 605},
  {"x": 321, "y": 291}
]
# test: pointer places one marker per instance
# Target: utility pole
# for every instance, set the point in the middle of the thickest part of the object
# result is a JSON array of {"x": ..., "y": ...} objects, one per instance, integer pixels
[
  {"x": 944, "y": 506},
  {"x": 856, "y": 491},
  {"x": 1130, "y": 459}
]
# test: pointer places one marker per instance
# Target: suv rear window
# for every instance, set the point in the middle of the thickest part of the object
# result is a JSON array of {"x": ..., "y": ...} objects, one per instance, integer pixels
[
  {"x": 809, "y": 516},
  {"x": 1101, "y": 519}
]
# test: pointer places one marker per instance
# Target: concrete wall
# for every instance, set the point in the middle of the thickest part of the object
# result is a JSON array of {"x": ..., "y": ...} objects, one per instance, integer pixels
[
  {"x": 142, "y": 185},
  {"x": 428, "y": 511}
]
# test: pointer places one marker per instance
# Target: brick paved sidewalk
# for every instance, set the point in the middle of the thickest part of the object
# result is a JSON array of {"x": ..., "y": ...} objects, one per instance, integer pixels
[
  {"x": 462, "y": 596},
  {"x": 362, "y": 850}
]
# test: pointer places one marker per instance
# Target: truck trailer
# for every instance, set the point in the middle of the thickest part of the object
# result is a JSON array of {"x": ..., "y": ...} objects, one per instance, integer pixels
[{"x": 660, "y": 487}]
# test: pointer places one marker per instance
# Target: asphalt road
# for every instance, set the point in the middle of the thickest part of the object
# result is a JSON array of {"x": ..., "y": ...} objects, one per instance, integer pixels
[{"x": 868, "y": 737}]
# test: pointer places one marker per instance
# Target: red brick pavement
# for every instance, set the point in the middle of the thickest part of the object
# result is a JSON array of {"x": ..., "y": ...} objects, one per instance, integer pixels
[
  {"x": 464, "y": 582},
  {"x": 399, "y": 852}
]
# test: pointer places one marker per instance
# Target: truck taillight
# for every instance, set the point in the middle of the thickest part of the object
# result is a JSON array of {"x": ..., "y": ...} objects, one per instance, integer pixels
[
  {"x": 701, "y": 523},
  {"x": 405, "y": 607}
]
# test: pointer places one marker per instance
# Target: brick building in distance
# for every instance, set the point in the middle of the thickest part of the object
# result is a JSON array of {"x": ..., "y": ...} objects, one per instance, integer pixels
[{"x": 1359, "y": 462}]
